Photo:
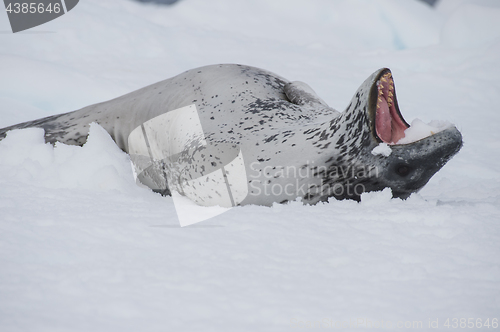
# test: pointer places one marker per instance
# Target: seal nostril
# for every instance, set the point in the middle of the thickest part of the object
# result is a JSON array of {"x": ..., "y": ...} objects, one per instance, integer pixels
[{"x": 403, "y": 170}]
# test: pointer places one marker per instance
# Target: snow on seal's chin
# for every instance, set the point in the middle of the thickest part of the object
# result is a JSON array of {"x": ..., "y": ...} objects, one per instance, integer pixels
[{"x": 419, "y": 130}]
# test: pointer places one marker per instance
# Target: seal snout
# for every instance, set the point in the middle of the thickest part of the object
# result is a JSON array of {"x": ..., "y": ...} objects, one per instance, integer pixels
[
  {"x": 389, "y": 124},
  {"x": 411, "y": 166}
]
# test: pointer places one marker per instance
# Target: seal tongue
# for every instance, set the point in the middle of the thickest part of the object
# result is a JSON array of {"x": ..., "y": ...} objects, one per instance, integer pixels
[
  {"x": 388, "y": 123},
  {"x": 383, "y": 121}
]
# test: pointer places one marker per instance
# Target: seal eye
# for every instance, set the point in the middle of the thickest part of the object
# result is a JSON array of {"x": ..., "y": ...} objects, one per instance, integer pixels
[{"x": 403, "y": 170}]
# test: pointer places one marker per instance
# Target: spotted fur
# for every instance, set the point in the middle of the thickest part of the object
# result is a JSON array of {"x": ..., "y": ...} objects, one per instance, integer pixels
[{"x": 293, "y": 144}]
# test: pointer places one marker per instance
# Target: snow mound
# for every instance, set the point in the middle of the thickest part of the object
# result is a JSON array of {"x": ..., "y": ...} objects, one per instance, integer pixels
[
  {"x": 377, "y": 198},
  {"x": 98, "y": 165}
]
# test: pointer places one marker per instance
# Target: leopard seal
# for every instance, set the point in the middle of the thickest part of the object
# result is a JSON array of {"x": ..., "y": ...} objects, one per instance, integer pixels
[{"x": 272, "y": 140}]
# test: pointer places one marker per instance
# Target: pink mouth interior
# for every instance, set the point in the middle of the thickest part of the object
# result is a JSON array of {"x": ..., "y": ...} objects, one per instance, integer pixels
[{"x": 388, "y": 124}]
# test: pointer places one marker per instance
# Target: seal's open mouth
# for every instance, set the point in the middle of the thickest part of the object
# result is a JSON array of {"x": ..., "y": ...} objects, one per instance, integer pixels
[{"x": 389, "y": 124}]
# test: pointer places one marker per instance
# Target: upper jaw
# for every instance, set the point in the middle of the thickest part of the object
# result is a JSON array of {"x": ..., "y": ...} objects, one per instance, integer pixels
[
  {"x": 378, "y": 93},
  {"x": 388, "y": 125},
  {"x": 387, "y": 122}
]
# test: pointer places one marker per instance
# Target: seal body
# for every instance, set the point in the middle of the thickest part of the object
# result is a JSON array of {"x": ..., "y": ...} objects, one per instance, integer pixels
[{"x": 289, "y": 142}]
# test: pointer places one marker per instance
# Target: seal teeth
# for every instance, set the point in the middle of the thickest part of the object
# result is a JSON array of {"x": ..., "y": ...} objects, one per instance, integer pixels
[
  {"x": 385, "y": 90},
  {"x": 389, "y": 101}
]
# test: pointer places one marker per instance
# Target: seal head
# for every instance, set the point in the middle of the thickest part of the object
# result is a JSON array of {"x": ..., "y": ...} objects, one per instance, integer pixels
[{"x": 373, "y": 117}]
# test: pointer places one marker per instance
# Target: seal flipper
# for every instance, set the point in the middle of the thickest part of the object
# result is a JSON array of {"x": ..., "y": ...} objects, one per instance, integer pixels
[
  {"x": 58, "y": 128},
  {"x": 69, "y": 128},
  {"x": 301, "y": 94}
]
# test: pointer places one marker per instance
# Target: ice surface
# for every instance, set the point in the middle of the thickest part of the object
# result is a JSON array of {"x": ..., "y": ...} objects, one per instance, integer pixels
[
  {"x": 472, "y": 25},
  {"x": 82, "y": 248}
]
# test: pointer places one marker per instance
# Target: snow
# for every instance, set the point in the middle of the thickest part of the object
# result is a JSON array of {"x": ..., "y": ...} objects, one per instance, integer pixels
[
  {"x": 82, "y": 247},
  {"x": 472, "y": 25},
  {"x": 419, "y": 130},
  {"x": 382, "y": 149},
  {"x": 30, "y": 161}
]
